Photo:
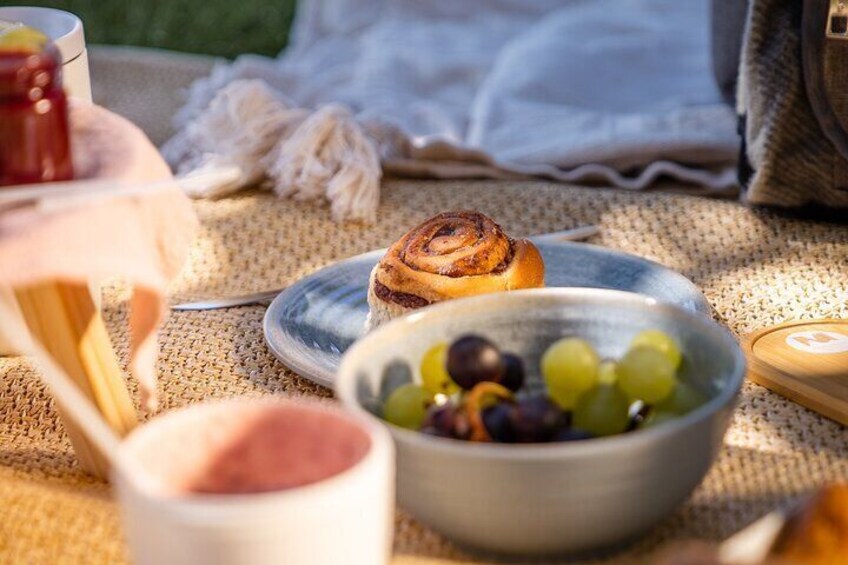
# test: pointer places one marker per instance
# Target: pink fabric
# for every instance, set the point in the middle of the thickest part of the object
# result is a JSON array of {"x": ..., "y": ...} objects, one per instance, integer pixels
[{"x": 141, "y": 239}]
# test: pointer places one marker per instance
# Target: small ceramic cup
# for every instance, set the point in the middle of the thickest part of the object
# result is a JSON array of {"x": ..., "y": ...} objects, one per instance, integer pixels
[
  {"x": 66, "y": 31},
  {"x": 346, "y": 518}
]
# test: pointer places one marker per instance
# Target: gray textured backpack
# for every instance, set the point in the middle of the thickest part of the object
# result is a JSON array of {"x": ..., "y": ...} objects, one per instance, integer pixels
[{"x": 787, "y": 63}]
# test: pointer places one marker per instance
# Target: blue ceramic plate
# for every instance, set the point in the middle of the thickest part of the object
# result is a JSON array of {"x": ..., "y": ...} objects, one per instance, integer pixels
[{"x": 311, "y": 324}]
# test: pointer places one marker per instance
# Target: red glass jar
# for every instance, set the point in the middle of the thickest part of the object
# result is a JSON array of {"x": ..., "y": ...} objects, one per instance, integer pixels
[{"x": 34, "y": 135}]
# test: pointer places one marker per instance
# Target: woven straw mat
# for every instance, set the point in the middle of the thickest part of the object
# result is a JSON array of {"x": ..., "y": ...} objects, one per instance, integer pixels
[{"x": 755, "y": 267}]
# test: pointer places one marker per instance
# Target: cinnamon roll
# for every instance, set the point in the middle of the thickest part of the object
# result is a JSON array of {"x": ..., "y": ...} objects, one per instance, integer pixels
[{"x": 452, "y": 255}]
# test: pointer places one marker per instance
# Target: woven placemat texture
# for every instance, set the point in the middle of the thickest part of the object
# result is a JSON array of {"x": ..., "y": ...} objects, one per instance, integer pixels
[{"x": 756, "y": 268}]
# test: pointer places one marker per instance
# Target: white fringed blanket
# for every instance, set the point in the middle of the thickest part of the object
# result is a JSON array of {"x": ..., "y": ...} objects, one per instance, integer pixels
[{"x": 612, "y": 91}]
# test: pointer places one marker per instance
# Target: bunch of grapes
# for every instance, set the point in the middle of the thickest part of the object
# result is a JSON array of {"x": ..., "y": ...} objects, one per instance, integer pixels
[{"x": 470, "y": 390}]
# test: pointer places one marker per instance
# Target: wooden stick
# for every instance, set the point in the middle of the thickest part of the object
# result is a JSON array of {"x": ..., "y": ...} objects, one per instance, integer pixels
[
  {"x": 63, "y": 318},
  {"x": 76, "y": 405}
]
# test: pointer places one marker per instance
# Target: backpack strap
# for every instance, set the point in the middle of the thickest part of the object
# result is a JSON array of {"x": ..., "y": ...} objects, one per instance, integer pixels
[{"x": 821, "y": 27}]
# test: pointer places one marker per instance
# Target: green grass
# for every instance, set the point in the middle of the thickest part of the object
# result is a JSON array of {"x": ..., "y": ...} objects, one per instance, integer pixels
[{"x": 217, "y": 27}]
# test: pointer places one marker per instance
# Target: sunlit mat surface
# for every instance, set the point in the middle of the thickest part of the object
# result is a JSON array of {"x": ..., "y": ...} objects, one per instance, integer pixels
[{"x": 755, "y": 268}]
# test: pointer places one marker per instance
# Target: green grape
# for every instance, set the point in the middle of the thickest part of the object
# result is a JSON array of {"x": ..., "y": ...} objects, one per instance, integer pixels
[
  {"x": 646, "y": 374},
  {"x": 655, "y": 418},
  {"x": 565, "y": 399},
  {"x": 407, "y": 406},
  {"x": 607, "y": 374},
  {"x": 570, "y": 368},
  {"x": 434, "y": 374},
  {"x": 661, "y": 341},
  {"x": 682, "y": 400},
  {"x": 602, "y": 411}
]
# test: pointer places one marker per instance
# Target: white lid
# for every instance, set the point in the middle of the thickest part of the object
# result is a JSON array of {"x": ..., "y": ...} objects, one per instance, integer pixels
[{"x": 63, "y": 28}]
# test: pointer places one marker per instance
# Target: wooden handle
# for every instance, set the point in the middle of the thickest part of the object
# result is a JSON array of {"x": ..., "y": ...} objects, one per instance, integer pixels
[{"x": 63, "y": 318}]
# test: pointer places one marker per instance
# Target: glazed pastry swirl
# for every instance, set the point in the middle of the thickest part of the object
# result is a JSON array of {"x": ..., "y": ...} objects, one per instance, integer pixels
[
  {"x": 456, "y": 244},
  {"x": 456, "y": 254}
]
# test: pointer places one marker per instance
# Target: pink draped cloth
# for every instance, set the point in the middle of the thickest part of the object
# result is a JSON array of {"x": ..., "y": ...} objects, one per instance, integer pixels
[{"x": 140, "y": 238}]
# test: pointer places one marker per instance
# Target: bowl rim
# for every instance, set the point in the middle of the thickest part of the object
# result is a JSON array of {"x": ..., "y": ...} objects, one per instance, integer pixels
[{"x": 345, "y": 385}]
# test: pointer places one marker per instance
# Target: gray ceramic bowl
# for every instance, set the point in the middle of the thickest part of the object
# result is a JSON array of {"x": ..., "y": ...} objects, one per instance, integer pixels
[{"x": 554, "y": 498}]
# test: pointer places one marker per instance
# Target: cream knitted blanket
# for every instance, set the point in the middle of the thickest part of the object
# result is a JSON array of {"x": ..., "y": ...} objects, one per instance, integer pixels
[{"x": 613, "y": 91}]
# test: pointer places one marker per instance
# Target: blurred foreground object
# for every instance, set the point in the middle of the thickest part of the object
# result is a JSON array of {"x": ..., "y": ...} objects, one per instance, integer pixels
[
  {"x": 35, "y": 147},
  {"x": 49, "y": 255},
  {"x": 813, "y": 531},
  {"x": 817, "y": 533}
]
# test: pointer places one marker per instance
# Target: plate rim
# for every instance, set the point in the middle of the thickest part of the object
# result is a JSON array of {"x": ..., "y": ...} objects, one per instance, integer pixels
[
  {"x": 320, "y": 376},
  {"x": 307, "y": 371}
]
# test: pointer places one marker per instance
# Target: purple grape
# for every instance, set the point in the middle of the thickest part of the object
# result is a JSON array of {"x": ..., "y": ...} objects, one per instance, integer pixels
[
  {"x": 536, "y": 419},
  {"x": 572, "y": 434},
  {"x": 439, "y": 421},
  {"x": 446, "y": 421},
  {"x": 513, "y": 376},
  {"x": 473, "y": 359},
  {"x": 498, "y": 422}
]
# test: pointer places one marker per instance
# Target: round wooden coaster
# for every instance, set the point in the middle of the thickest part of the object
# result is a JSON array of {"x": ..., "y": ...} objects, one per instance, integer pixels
[{"x": 805, "y": 361}]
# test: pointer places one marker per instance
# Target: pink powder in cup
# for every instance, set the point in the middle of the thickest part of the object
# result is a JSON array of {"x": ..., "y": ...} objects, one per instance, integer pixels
[
  {"x": 250, "y": 447},
  {"x": 257, "y": 481}
]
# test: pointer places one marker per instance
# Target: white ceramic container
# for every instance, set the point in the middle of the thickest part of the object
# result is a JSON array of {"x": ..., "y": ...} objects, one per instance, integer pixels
[{"x": 347, "y": 518}]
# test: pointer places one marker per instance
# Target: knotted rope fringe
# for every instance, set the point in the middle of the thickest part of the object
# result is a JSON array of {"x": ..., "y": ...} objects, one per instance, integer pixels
[{"x": 322, "y": 155}]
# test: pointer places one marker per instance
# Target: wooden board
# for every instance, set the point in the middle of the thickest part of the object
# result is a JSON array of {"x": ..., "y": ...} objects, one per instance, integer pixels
[{"x": 805, "y": 361}]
